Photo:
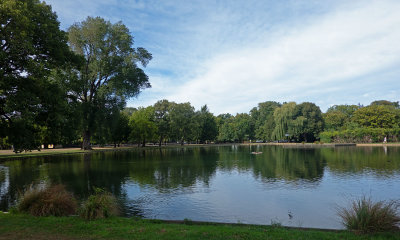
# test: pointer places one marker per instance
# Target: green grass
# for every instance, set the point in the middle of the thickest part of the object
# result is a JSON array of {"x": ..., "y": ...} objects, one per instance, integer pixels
[{"x": 28, "y": 227}]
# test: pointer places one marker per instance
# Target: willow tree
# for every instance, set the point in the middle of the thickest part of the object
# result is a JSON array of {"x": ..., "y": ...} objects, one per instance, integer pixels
[
  {"x": 287, "y": 121},
  {"x": 110, "y": 72}
]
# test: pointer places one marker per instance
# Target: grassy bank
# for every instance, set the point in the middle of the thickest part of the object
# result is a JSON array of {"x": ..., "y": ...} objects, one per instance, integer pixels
[{"x": 28, "y": 227}]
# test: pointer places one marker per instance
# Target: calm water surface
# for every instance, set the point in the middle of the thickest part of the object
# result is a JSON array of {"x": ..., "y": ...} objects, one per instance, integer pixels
[{"x": 222, "y": 184}]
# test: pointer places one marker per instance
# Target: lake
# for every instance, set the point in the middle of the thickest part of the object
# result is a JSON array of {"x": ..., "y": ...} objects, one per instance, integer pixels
[{"x": 293, "y": 187}]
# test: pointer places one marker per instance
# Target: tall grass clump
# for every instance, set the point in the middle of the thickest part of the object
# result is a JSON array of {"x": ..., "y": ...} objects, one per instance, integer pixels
[
  {"x": 102, "y": 204},
  {"x": 49, "y": 201},
  {"x": 366, "y": 216}
]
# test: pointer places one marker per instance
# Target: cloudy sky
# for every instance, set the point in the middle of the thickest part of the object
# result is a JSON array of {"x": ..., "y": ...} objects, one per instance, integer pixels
[{"x": 231, "y": 54}]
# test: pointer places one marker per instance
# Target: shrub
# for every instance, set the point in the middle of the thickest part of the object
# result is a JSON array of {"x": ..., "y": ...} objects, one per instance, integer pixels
[
  {"x": 50, "y": 201},
  {"x": 99, "y": 205},
  {"x": 365, "y": 216}
]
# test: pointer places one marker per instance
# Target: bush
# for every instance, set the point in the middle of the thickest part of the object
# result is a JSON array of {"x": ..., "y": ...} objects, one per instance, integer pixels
[
  {"x": 99, "y": 205},
  {"x": 49, "y": 201},
  {"x": 365, "y": 216}
]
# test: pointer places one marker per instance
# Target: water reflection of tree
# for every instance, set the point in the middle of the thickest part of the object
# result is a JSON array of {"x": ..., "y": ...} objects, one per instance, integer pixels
[
  {"x": 21, "y": 174},
  {"x": 163, "y": 169},
  {"x": 358, "y": 159},
  {"x": 169, "y": 169},
  {"x": 275, "y": 163}
]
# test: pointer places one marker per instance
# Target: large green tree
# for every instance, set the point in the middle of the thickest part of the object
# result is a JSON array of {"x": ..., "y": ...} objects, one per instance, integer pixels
[
  {"x": 110, "y": 72},
  {"x": 207, "y": 125},
  {"x": 32, "y": 44},
  {"x": 288, "y": 123},
  {"x": 183, "y": 124},
  {"x": 143, "y": 126},
  {"x": 377, "y": 116},
  {"x": 263, "y": 118},
  {"x": 313, "y": 122},
  {"x": 162, "y": 119}
]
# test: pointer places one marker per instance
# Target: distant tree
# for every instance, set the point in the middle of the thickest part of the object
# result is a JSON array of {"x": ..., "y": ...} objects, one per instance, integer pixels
[
  {"x": 312, "y": 121},
  {"x": 129, "y": 110},
  {"x": 142, "y": 125},
  {"x": 119, "y": 128},
  {"x": 263, "y": 118},
  {"x": 377, "y": 116},
  {"x": 225, "y": 127},
  {"x": 207, "y": 125},
  {"x": 385, "y": 103},
  {"x": 183, "y": 125},
  {"x": 109, "y": 73},
  {"x": 348, "y": 110},
  {"x": 334, "y": 120},
  {"x": 162, "y": 119},
  {"x": 226, "y": 131},
  {"x": 32, "y": 44},
  {"x": 288, "y": 122},
  {"x": 243, "y": 127}
]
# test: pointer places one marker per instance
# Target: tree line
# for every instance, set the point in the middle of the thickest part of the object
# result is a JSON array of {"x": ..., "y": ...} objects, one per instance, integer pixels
[
  {"x": 70, "y": 88},
  {"x": 270, "y": 121}
]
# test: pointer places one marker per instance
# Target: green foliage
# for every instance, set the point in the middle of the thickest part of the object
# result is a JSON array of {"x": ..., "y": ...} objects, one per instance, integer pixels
[
  {"x": 312, "y": 123},
  {"x": 162, "y": 119},
  {"x": 183, "y": 122},
  {"x": 366, "y": 216},
  {"x": 385, "y": 103},
  {"x": 347, "y": 110},
  {"x": 142, "y": 125},
  {"x": 334, "y": 120},
  {"x": 377, "y": 116},
  {"x": 50, "y": 201},
  {"x": 207, "y": 125},
  {"x": 109, "y": 73},
  {"x": 235, "y": 129},
  {"x": 102, "y": 204},
  {"x": 361, "y": 135},
  {"x": 287, "y": 121},
  {"x": 32, "y": 44},
  {"x": 263, "y": 118}
]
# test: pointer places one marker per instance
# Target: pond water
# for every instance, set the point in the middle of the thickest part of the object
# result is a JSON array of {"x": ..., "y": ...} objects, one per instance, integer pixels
[{"x": 294, "y": 187}]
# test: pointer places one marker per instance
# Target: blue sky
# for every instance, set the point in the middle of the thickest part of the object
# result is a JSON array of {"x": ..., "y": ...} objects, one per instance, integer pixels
[{"x": 231, "y": 55}]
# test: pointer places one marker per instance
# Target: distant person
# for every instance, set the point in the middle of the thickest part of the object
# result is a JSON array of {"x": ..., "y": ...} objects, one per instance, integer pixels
[{"x": 385, "y": 140}]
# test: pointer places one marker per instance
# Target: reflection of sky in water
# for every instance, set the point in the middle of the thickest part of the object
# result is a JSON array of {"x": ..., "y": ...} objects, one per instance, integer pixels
[
  {"x": 239, "y": 197},
  {"x": 4, "y": 181},
  {"x": 224, "y": 184}
]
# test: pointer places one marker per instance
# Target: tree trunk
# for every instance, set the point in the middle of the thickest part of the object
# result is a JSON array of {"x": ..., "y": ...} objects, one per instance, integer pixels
[
  {"x": 86, "y": 141},
  {"x": 160, "y": 142}
]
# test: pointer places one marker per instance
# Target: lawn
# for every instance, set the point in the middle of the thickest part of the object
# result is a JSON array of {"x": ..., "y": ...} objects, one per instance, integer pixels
[{"x": 14, "y": 226}]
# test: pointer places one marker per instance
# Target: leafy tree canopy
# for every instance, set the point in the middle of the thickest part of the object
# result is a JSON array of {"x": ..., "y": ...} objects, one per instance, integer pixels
[
  {"x": 31, "y": 46},
  {"x": 109, "y": 73}
]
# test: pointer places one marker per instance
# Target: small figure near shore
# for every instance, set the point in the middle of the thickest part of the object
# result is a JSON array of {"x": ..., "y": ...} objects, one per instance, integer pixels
[{"x": 385, "y": 140}]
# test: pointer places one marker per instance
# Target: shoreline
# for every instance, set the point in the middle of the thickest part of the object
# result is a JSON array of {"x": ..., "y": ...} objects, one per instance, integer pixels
[{"x": 9, "y": 154}]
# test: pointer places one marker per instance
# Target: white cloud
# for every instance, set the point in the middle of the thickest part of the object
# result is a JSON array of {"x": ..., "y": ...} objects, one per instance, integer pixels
[
  {"x": 305, "y": 64},
  {"x": 232, "y": 55}
]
